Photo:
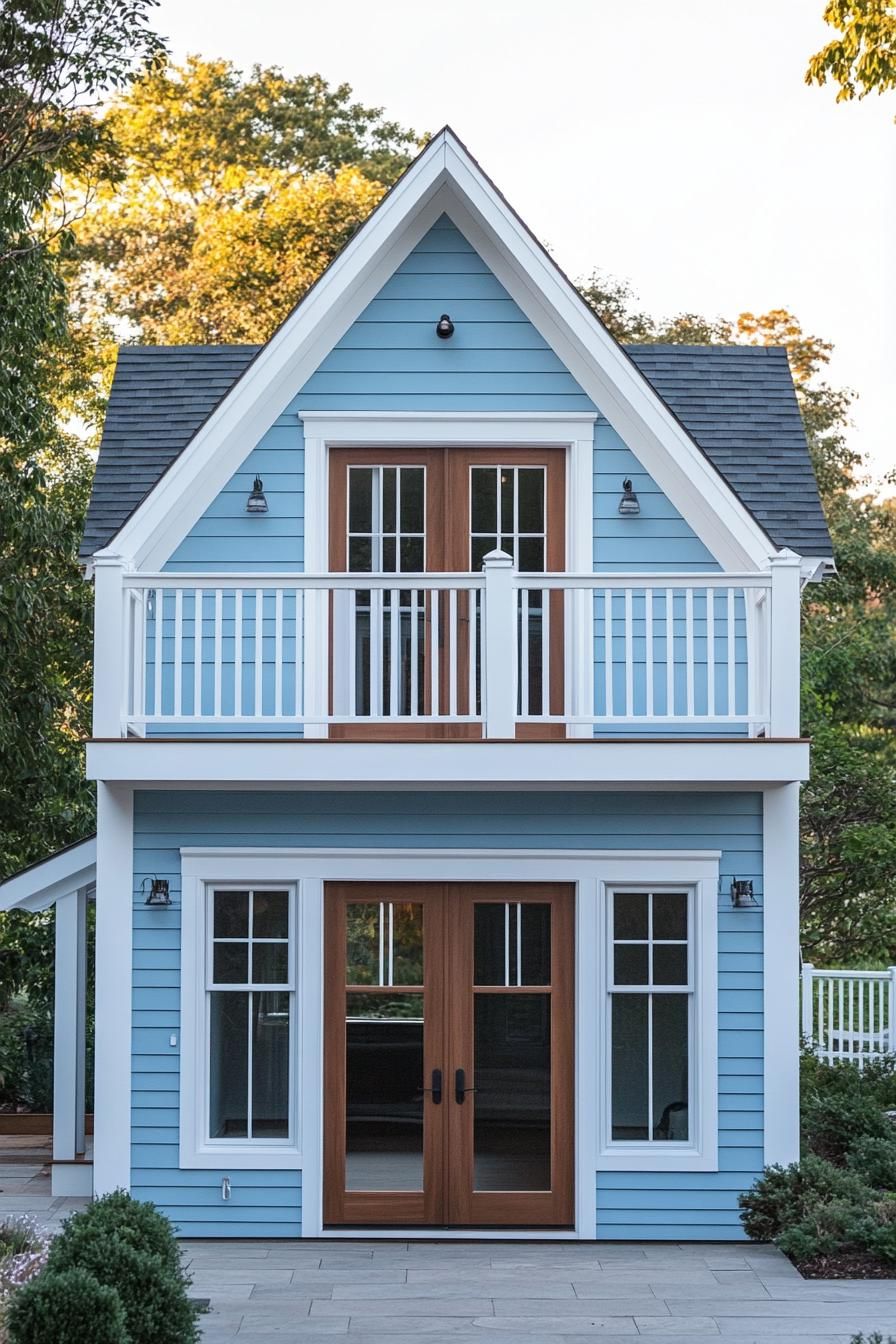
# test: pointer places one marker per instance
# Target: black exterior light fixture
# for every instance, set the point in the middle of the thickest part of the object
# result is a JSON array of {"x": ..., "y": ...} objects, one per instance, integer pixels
[
  {"x": 158, "y": 892},
  {"x": 628, "y": 504},
  {"x": 742, "y": 894},
  {"x": 256, "y": 503},
  {"x": 444, "y": 327}
]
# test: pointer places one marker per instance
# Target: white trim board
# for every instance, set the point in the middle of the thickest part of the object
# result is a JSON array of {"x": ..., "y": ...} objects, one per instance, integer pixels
[
  {"x": 444, "y": 179},
  {"x": 737, "y": 763},
  {"x": 308, "y": 869},
  {"x": 41, "y": 884},
  {"x": 573, "y": 431}
]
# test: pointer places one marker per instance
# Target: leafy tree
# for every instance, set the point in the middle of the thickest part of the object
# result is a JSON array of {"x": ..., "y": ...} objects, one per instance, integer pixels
[
  {"x": 848, "y": 865},
  {"x": 236, "y": 191},
  {"x": 57, "y": 58},
  {"x": 862, "y": 59}
]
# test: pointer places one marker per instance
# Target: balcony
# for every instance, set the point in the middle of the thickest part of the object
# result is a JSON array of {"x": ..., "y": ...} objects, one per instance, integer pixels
[{"x": 491, "y": 655}]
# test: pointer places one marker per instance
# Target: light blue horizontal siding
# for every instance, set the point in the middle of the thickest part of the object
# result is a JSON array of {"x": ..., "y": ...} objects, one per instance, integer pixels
[{"x": 672, "y": 1205}]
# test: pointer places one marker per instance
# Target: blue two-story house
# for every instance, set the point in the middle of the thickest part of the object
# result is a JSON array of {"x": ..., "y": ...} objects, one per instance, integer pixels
[{"x": 447, "y": 753}]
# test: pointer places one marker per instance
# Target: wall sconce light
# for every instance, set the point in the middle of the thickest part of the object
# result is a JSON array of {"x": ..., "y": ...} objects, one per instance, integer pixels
[
  {"x": 158, "y": 892},
  {"x": 742, "y": 894},
  {"x": 256, "y": 503},
  {"x": 628, "y": 504},
  {"x": 444, "y": 327}
]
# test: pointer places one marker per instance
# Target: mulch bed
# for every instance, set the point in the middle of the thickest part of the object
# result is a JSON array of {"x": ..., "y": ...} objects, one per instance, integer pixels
[{"x": 850, "y": 1265}]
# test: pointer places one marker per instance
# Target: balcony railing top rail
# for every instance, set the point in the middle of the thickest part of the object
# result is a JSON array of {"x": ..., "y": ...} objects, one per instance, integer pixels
[{"x": 592, "y": 652}]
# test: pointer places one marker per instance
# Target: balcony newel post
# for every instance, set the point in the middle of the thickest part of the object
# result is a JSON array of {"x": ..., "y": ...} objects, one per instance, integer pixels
[
  {"x": 500, "y": 645},
  {"x": 784, "y": 660},
  {"x": 110, "y": 671}
]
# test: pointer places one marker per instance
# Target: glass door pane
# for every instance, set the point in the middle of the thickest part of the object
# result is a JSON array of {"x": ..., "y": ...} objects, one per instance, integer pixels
[{"x": 384, "y": 1045}]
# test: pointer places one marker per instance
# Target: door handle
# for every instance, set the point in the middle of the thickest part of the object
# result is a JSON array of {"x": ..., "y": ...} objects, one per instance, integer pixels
[
  {"x": 436, "y": 1090},
  {"x": 460, "y": 1087}
]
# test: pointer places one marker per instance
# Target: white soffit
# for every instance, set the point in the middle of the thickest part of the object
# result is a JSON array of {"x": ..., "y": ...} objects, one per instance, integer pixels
[{"x": 443, "y": 179}]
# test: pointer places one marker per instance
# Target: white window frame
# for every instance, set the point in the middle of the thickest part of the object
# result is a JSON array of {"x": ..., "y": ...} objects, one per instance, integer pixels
[
  {"x": 700, "y": 1152},
  {"x": 197, "y": 1148}
]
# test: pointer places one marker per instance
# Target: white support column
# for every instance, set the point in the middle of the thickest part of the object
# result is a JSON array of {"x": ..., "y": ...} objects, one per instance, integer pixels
[
  {"x": 81, "y": 1028},
  {"x": 109, "y": 655},
  {"x": 114, "y": 958},
  {"x": 781, "y": 967},
  {"x": 784, "y": 660},
  {"x": 65, "y": 1031},
  {"x": 500, "y": 645}
]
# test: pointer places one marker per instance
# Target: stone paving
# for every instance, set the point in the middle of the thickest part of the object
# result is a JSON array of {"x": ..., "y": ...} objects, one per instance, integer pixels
[{"x": 378, "y": 1292}]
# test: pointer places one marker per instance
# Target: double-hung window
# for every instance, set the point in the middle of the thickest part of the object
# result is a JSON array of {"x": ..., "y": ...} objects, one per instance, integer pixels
[
  {"x": 249, "y": 1017},
  {"x": 660, "y": 991}
]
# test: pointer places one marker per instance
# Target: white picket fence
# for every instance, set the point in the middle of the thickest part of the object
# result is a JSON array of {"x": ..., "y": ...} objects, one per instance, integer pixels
[{"x": 849, "y": 1015}]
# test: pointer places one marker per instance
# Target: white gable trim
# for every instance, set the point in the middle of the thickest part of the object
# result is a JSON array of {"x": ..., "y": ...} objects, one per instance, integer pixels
[
  {"x": 42, "y": 884},
  {"x": 444, "y": 179}
]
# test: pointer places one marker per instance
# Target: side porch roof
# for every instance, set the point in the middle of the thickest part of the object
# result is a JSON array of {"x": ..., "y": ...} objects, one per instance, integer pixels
[{"x": 41, "y": 884}]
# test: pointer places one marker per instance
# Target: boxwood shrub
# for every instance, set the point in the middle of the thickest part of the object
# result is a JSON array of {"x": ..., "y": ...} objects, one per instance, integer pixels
[{"x": 66, "y": 1308}]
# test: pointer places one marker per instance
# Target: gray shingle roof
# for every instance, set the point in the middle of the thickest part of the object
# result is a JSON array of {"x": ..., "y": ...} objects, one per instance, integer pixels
[{"x": 737, "y": 402}]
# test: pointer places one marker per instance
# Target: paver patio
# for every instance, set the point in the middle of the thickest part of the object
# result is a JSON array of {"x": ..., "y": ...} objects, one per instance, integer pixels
[{"x": 545, "y": 1293}]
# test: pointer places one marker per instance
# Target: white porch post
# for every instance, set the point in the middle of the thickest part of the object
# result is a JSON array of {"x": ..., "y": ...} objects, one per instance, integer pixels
[
  {"x": 114, "y": 957},
  {"x": 784, "y": 663},
  {"x": 781, "y": 968},
  {"x": 109, "y": 666},
  {"x": 68, "y": 1029},
  {"x": 500, "y": 645}
]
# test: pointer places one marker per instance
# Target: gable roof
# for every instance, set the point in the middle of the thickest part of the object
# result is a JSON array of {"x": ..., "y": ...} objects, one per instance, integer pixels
[
  {"x": 444, "y": 180},
  {"x": 737, "y": 402}
]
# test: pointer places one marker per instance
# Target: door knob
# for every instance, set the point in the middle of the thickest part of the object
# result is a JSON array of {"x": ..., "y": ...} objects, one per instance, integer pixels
[{"x": 460, "y": 1087}]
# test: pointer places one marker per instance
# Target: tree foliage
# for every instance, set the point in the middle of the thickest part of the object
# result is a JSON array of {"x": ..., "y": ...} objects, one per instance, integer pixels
[
  {"x": 236, "y": 192},
  {"x": 862, "y": 59},
  {"x": 848, "y": 864}
]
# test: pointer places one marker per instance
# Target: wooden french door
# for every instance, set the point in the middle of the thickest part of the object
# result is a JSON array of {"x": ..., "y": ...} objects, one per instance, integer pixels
[
  {"x": 441, "y": 510},
  {"x": 448, "y": 1054}
]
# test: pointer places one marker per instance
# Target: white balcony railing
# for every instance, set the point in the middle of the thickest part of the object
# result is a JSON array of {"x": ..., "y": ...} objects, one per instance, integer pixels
[
  {"x": 849, "y": 1015},
  {"x": 616, "y": 653}
]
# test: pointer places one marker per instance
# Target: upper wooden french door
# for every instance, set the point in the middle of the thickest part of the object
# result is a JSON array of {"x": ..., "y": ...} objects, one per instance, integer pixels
[
  {"x": 448, "y": 1073},
  {"x": 442, "y": 510}
]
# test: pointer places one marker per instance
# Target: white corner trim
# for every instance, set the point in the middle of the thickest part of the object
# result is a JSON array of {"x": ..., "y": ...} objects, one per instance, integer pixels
[
  {"x": 702, "y": 1153},
  {"x": 197, "y": 1151},
  {"x": 114, "y": 987},
  {"x": 780, "y": 945},
  {"x": 444, "y": 179}
]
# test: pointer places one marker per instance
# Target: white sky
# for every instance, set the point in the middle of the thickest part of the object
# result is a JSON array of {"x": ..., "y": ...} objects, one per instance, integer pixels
[{"x": 673, "y": 145}]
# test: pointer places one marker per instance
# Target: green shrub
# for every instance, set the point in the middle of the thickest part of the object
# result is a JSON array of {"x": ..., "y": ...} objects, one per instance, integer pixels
[
  {"x": 132, "y": 1221},
  {"x": 833, "y": 1121},
  {"x": 66, "y": 1308},
  {"x": 785, "y": 1198},
  {"x": 874, "y": 1160},
  {"x": 156, "y": 1307}
]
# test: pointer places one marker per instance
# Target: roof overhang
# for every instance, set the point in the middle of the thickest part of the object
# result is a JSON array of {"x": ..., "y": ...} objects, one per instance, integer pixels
[
  {"x": 444, "y": 179},
  {"x": 40, "y": 885}
]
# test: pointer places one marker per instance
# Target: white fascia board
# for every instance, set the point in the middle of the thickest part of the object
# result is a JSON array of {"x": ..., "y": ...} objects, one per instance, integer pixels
[
  {"x": 39, "y": 886},
  {"x": 286, "y": 362},
  {"x": 604, "y": 371},
  {"x": 444, "y": 179},
  {"x": 744, "y": 763}
]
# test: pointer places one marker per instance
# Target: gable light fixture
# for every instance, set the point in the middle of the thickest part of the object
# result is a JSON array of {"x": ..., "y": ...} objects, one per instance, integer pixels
[
  {"x": 628, "y": 504},
  {"x": 444, "y": 327},
  {"x": 742, "y": 894},
  {"x": 159, "y": 893},
  {"x": 256, "y": 503}
]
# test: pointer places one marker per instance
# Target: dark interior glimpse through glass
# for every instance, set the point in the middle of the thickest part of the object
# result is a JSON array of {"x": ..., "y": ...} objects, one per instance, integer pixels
[
  {"x": 512, "y": 1123},
  {"x": 384, "y": 1092}
]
